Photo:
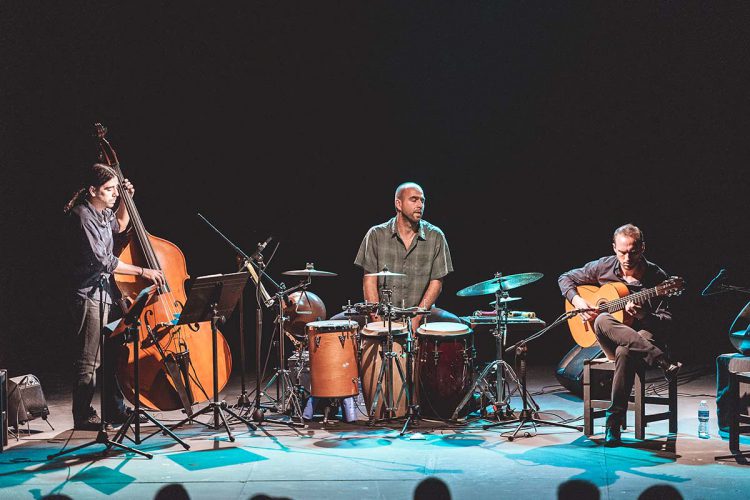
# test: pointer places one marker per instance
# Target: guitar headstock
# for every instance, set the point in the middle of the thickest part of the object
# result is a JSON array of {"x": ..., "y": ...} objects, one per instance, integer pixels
[{"x": 671, "y": 287}]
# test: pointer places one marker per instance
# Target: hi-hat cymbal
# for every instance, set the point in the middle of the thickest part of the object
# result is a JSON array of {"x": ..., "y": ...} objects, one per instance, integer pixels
[
  {"x": 503, "y": 283},
  {"x": 504, "y": 300},
  {"x": 386, "y": 274},
  {"x": 308, "y": 271}
]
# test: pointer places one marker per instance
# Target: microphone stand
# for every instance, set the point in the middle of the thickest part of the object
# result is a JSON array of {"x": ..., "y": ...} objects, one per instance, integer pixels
[
  {"x": 530, "y": 411},
  {"x": 256, "y": 267}
]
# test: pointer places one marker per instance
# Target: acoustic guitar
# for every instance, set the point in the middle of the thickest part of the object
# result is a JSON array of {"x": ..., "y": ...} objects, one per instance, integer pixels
[{"x": 611, "y": 298}]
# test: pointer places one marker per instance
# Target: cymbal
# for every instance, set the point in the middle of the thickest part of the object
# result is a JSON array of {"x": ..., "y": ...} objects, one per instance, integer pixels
[
  {"x": 503, "y": 283},
  {"x": 503, "y": 300},
  {"x": 308, "y": 271},
  {"x": 387, "y": 274}
]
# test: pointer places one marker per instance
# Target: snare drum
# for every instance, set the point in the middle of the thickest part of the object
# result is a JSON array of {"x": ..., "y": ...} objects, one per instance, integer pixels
[
  {"x": 373, "y": 343},
  {"x": 333, "y": 358},
  {"x": 444, "y": 364}
]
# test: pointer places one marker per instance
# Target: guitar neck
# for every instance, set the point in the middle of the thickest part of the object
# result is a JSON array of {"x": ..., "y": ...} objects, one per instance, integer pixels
[{"x": 619, "y": 304}]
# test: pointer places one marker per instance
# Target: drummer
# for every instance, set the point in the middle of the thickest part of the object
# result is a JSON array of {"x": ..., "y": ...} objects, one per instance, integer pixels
[{"x": 409, "y": 245}]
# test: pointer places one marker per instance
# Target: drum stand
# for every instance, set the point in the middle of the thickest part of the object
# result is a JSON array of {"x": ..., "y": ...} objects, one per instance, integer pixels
[
  {"x": 287, "y": 393},
  {"x": 528, "y": 414},
  {"x": 386, "y": 367},
  {"x": 500, "y": 399}
]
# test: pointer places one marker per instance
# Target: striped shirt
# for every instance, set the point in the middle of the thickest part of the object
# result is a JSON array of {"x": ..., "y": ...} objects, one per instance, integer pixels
[{"x": 427, "y": 258}]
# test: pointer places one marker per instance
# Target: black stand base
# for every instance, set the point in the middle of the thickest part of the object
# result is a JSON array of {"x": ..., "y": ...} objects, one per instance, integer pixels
[
  {"x": 529, "y": 416},
  {"x": 101, "y": 438},
  {"x": 220, "y": 420},
  {"x": 134, "y": 420}
]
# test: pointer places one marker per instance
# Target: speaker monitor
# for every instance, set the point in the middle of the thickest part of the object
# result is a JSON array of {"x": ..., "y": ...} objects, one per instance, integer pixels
[
  {"x": 25, "y": 400},
  {"x": 570, "y": 369}
]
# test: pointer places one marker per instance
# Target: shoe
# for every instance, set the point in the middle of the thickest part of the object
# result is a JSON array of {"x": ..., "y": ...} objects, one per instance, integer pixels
[
  {"x": 91, "y": 423},
  {"x": 119, "y": 418},
  {"x": 671, "y": 368},
  {"x": 613, "y": 429}
]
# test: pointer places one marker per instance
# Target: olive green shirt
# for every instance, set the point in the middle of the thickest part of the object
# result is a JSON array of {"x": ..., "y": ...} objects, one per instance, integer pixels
[{"x": 428, "y": 258}]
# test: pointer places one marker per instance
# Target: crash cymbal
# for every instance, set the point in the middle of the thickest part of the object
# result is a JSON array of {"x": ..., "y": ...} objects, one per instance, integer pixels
[
  {"x": 387, "y": 274},
  {"x": 308, "y": 271},
  {"x": 504, "y": 300},
  {"x": 503, "y": 283}
]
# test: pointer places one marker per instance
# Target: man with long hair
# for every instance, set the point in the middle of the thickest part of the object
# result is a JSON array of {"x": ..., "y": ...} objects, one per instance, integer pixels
[{"x": 92, "y": 223}]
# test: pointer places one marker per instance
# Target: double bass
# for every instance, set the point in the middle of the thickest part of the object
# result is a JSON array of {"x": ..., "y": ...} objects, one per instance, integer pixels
[{"x": 175, "y": 361}]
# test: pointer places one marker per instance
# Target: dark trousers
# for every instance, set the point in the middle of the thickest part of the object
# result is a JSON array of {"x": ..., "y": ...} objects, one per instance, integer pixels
[
  {"x": 86, "y": 317},
  {"x": 628, "y": 347}
]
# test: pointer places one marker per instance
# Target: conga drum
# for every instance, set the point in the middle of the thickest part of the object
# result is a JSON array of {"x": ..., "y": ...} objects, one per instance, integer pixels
[
  {"x": 373, "y": 343},
  {"x": 444, "y": 367},
  {"x": 332, "y": 346}
]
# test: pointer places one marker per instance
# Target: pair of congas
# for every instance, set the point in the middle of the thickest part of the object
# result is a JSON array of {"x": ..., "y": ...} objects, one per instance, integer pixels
[{"x": 443, "y": 371}]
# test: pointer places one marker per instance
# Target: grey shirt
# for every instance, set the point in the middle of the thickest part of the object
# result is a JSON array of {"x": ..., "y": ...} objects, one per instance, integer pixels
[
  {"x": 91, "y": 240},
  {"x": 428, "y": 258},
  {"x": 608, "y": 270}
]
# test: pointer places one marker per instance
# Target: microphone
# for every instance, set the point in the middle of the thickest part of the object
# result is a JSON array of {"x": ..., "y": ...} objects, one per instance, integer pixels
[
  {"x": 714, "y": 284},
  {"x": 259, "y": 251}
]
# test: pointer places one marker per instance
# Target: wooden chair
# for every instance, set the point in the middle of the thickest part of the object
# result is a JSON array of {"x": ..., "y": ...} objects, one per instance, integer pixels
[
  {"x": 738, "y": 418},
  {"x": 595, "y": 408}
]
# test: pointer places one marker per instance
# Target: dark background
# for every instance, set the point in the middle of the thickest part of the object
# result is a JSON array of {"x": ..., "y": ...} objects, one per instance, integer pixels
[{"x": 535, "y": 128}]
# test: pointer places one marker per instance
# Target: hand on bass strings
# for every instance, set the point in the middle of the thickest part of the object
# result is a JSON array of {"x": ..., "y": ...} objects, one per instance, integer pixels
[
  {"x": 580, "y": 303},
  {"x": 155, "y": 275},
  {"x": 128, "y": 187}
]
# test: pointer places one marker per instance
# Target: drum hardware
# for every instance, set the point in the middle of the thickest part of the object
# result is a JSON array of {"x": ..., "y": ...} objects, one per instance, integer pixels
[
  {"x": 308, "y": 271},
  {"x": 530, "y": 411},
  {"x": 389, "y": 357},
  {"x": 288, "y": 395},
  {"x": 499, "y": 285}
]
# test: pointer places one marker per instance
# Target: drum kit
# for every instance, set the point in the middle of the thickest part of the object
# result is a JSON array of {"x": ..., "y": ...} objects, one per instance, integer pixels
[{"x": 401, "y": 373}]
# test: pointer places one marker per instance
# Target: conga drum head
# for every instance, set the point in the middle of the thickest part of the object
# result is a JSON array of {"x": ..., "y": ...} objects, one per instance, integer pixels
[
  {"x": 444, "y": 329},
  {"x": 380, "y": 329},
  {"x": 332, "y": 325}
]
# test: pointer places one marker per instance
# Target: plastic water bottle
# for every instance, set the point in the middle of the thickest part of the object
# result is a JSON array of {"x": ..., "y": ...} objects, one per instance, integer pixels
[{"x": 703, "y": 420}]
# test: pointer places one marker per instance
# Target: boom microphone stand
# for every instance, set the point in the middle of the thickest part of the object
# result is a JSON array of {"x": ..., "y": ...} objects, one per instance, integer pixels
[
  {"x": 256, "y": 267},
  {"x": 530, "y": 411}
]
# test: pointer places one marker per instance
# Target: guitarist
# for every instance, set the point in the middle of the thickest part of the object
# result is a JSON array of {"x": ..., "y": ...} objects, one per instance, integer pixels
[{"x": 627, "y": 345}]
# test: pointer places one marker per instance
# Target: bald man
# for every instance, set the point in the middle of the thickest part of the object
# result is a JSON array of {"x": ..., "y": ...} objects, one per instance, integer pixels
[{"x": 410, "y": 245}]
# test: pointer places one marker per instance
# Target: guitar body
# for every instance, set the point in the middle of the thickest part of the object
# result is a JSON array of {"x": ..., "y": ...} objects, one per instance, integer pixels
[{"x": 583, "y": 331}]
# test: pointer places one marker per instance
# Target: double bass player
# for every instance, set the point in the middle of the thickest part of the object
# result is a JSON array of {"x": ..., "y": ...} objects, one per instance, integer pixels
[{"x": 91, "y": 225}]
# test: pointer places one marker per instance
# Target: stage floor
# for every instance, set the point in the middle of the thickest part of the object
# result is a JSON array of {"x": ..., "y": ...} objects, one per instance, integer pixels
[{"x": 356, "y": 461}]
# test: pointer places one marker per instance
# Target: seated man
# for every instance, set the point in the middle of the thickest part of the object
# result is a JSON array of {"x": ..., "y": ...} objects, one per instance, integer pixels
[{"x": 627, "y": 345}]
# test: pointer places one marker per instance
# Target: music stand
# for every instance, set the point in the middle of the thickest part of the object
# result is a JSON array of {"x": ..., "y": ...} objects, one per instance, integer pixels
[
  {"x": 101, "y": 436},
  {"x": 213, "y": 298}
]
